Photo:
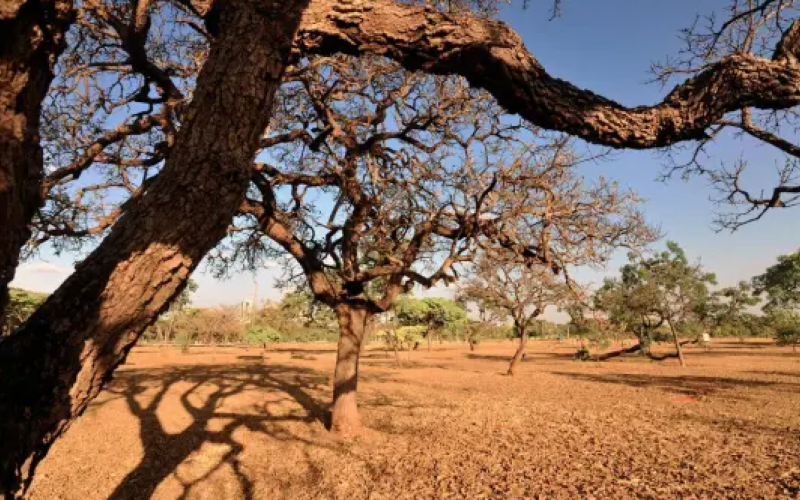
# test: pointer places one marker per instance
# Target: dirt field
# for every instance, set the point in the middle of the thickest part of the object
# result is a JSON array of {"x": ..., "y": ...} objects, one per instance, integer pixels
[{"x": 223, "y": 423}]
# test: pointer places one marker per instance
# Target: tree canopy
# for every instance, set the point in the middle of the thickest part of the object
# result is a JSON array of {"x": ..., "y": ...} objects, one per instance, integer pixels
[{"x": 781, "y": 283}]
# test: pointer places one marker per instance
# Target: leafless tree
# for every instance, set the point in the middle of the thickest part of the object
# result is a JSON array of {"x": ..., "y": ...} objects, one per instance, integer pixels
[
  {"x": 390, "y": 180},
  {"x": 511, "y": 289}
]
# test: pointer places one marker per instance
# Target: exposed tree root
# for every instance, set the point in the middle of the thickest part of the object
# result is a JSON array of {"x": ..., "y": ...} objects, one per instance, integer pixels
[{"x": 637, "y": 348}]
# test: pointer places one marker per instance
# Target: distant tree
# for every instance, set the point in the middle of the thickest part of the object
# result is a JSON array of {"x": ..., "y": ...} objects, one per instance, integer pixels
[
  {"x": 786, "y": 326},
  {"x": 21, "y": 305},
  {"x": 399, "y": 337},
  {"x": 302, "y": 307},
  {"x": 166, "y": 325},
  {"x": 728, "y": 312},
  {"x": 781, "y": 283},
  {"x": 661, "y": 290},
  {"x": 511, "y": 289},
  {"x": 436, "y": 314},
  {"x": 262, "y": 335}
]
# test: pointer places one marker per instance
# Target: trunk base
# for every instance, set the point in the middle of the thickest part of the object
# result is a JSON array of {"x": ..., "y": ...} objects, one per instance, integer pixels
[{"x": 345, "y": 420}]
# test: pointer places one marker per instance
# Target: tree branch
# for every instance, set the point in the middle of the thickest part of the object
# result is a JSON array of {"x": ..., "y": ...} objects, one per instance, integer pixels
[{"x": 492, "y": 56}]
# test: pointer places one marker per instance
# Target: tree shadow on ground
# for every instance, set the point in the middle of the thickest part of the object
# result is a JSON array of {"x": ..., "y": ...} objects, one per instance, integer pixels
[
  {"x": 302, "y": 351},
  {"x": 203, "y": 391},
  {"x": 689, "y": 385},
  {"x": 728, "y": 352}
]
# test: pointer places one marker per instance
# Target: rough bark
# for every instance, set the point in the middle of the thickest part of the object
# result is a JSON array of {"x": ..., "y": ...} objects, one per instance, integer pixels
[
  {"x": 56, "y": 363},
  {"x": 518, "y": 355},
  {"x": 492, "y": 56},
  {"x": 345, "y": 420},
  {"x": 31, "y": 39}
]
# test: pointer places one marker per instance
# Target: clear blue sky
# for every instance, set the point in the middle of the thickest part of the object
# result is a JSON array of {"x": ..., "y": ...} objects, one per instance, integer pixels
[{"x": 606, "y": 47}]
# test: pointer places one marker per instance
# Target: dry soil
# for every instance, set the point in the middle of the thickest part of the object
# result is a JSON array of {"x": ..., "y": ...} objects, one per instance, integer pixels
[{"x": 231, "y": 423}]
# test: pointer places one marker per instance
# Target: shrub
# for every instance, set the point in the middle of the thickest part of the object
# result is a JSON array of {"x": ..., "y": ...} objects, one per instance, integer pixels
[
  {"x": 261, "y": 335},
  {"x": 184, "y": 340},
  {"x": 583, "y": 354}
]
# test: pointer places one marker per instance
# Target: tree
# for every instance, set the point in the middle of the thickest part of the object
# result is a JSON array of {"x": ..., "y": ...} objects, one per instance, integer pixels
[
  {"x": 399, "y": 337},
  {"x": 436, "y": 314},
  {"x": 786, "y": 324},
  {"x": 781, "y": 283},
  {"x": 21, "y": 305},
  {"x": 512, "y": 289},
  {"x": 664, "y": 289},
  {"x": 728, "y": 310},
  {"x": 390, "y": 180},
  {"x": 759, "y": 30}
]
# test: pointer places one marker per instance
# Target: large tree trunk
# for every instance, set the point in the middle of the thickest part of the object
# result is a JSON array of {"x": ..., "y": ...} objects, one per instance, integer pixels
[
  {"x": 56, "y": 363},
  {"x": 345, "y": 420},
  {"x": 523, "y": 341},
  {"x": 31, "y": 39}
]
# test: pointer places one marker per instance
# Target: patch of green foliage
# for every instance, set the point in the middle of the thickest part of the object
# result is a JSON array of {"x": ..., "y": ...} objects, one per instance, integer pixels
[
  {"x": 262, "y": 335},
  {"x": 22, "y": 303}
]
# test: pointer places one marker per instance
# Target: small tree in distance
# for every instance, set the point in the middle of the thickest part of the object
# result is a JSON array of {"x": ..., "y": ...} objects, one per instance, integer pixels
[
  {"x": 436, "y": 314},
  {"x": 781, "y": 285},
  {"x": 509, "y": 288}
]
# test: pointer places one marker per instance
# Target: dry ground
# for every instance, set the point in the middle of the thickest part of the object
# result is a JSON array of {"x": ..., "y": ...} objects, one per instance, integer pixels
[{"x": 223, "y": 423}]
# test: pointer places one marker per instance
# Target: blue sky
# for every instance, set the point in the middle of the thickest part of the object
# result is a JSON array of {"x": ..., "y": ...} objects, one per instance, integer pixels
[{"x": 606, "y": 47}]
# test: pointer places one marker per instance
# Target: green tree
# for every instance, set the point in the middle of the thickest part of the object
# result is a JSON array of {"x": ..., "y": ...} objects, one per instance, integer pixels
[
  {"x": 781, "y": 283},
  {"x": 21, "y": 305},
  {"x": 436, "y": 314},
  {"x": 728, "y": 311},
  {"x": 786, "y": 326},
  {"x": 262, "y": 335},
  {"x": 661, "y": 290}
]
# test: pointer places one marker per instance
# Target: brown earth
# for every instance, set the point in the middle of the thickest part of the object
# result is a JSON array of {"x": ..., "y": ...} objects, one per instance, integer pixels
[{"x": 225, "y": 423}]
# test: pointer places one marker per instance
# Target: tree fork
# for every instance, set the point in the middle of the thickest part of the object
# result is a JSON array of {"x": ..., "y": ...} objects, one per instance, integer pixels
[{"x": 57, "y": 362}]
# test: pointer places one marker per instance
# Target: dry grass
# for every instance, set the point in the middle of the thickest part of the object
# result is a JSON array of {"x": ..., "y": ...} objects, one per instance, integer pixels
[{"x": 227, "y": 424}]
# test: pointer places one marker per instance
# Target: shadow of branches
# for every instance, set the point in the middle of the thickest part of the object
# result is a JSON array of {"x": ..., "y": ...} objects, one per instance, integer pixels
[
  {"x": 203, "y": 392},
  {"x": 688, "y": 385}
]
